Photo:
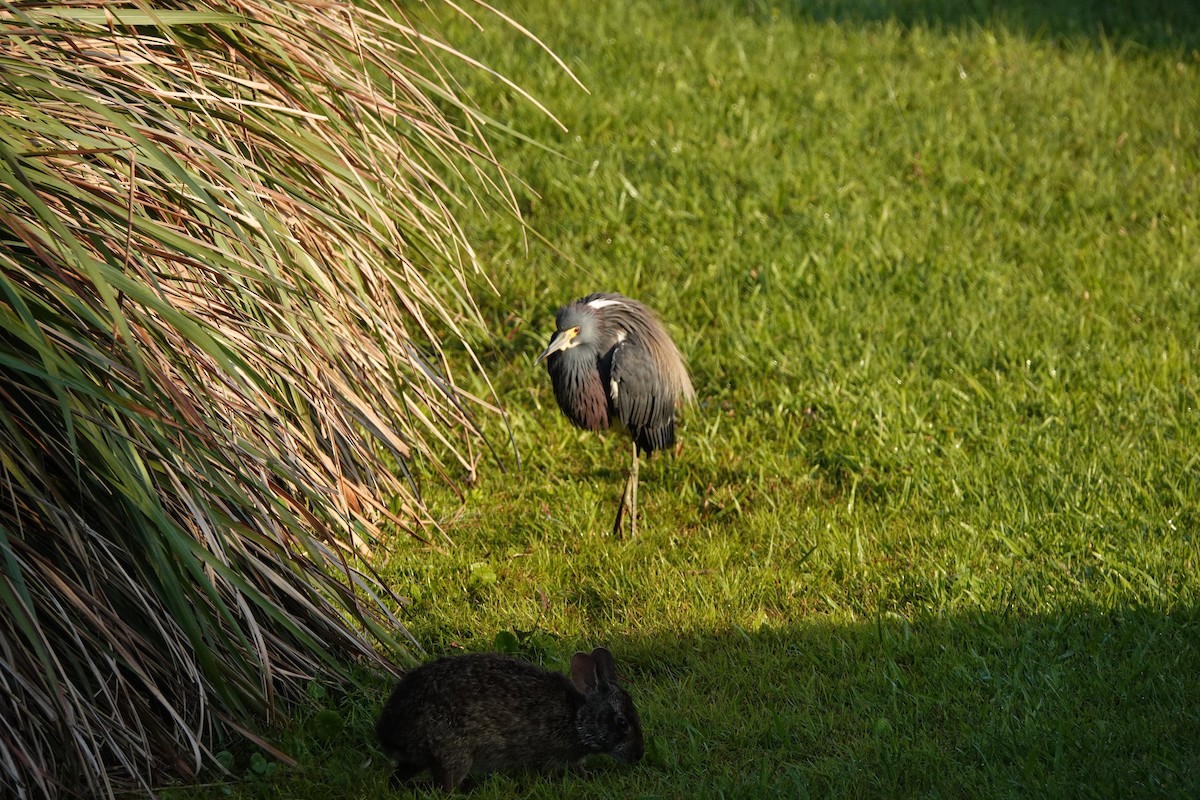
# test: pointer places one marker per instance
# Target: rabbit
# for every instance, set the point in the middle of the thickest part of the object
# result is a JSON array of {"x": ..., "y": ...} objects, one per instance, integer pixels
[{"x": 487, "y": 712}]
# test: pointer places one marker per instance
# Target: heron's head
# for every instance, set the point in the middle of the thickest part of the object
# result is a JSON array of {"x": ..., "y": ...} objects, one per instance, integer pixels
[{"x": 575, "y": 326}]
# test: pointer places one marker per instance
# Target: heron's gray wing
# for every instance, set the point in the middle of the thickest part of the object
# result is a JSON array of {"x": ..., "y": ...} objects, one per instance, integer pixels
[{"x": 639, "y": 398}]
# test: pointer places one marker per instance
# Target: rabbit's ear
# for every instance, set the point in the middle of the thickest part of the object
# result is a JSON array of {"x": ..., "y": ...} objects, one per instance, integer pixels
[
  {"x": 606, "y": 671},
  {"x": 584, "y": 673}
]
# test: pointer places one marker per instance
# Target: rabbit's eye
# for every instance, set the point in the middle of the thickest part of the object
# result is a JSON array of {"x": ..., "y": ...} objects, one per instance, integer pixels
[{"x": 620, "y": 721}]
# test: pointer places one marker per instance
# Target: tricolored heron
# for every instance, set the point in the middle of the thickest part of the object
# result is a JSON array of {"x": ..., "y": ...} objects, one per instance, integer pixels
[{"x": 612, "y": 361}]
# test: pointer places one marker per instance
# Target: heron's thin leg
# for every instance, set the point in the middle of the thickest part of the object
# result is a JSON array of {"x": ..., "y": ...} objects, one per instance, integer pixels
[
  {"x": 633, "y": 482},
  {"x": 629, "y": 499},
  {"x": 616, "y": 531}
]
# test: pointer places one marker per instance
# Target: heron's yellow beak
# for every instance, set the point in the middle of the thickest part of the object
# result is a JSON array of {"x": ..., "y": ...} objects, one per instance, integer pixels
[{"x": 561, "y": 341}]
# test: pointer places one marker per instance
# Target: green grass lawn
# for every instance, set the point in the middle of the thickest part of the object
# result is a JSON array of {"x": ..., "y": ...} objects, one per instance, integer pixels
[{"x": 932, "y": 530}]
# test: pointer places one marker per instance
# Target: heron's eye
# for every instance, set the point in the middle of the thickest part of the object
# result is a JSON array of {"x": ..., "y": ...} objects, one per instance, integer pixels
[{"x": 575, "y": 331}]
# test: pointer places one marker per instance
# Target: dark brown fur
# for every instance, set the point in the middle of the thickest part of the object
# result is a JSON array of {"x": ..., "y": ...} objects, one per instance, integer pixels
[{"x": 488, "y": 712}]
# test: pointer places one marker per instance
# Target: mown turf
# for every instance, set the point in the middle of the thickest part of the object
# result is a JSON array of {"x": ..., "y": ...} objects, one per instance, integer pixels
[{"x": 932, "y": 528}]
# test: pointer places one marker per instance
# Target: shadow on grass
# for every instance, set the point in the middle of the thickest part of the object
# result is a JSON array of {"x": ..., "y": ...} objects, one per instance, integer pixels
[
  {"x": 1064, "y": 705},
  {"x": 1072, "y": 704},
  {"x": 1157, "y": 24}
]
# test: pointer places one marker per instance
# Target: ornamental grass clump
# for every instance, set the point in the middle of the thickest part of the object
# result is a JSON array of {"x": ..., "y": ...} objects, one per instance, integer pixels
[{"x": 228, "y": 263}]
